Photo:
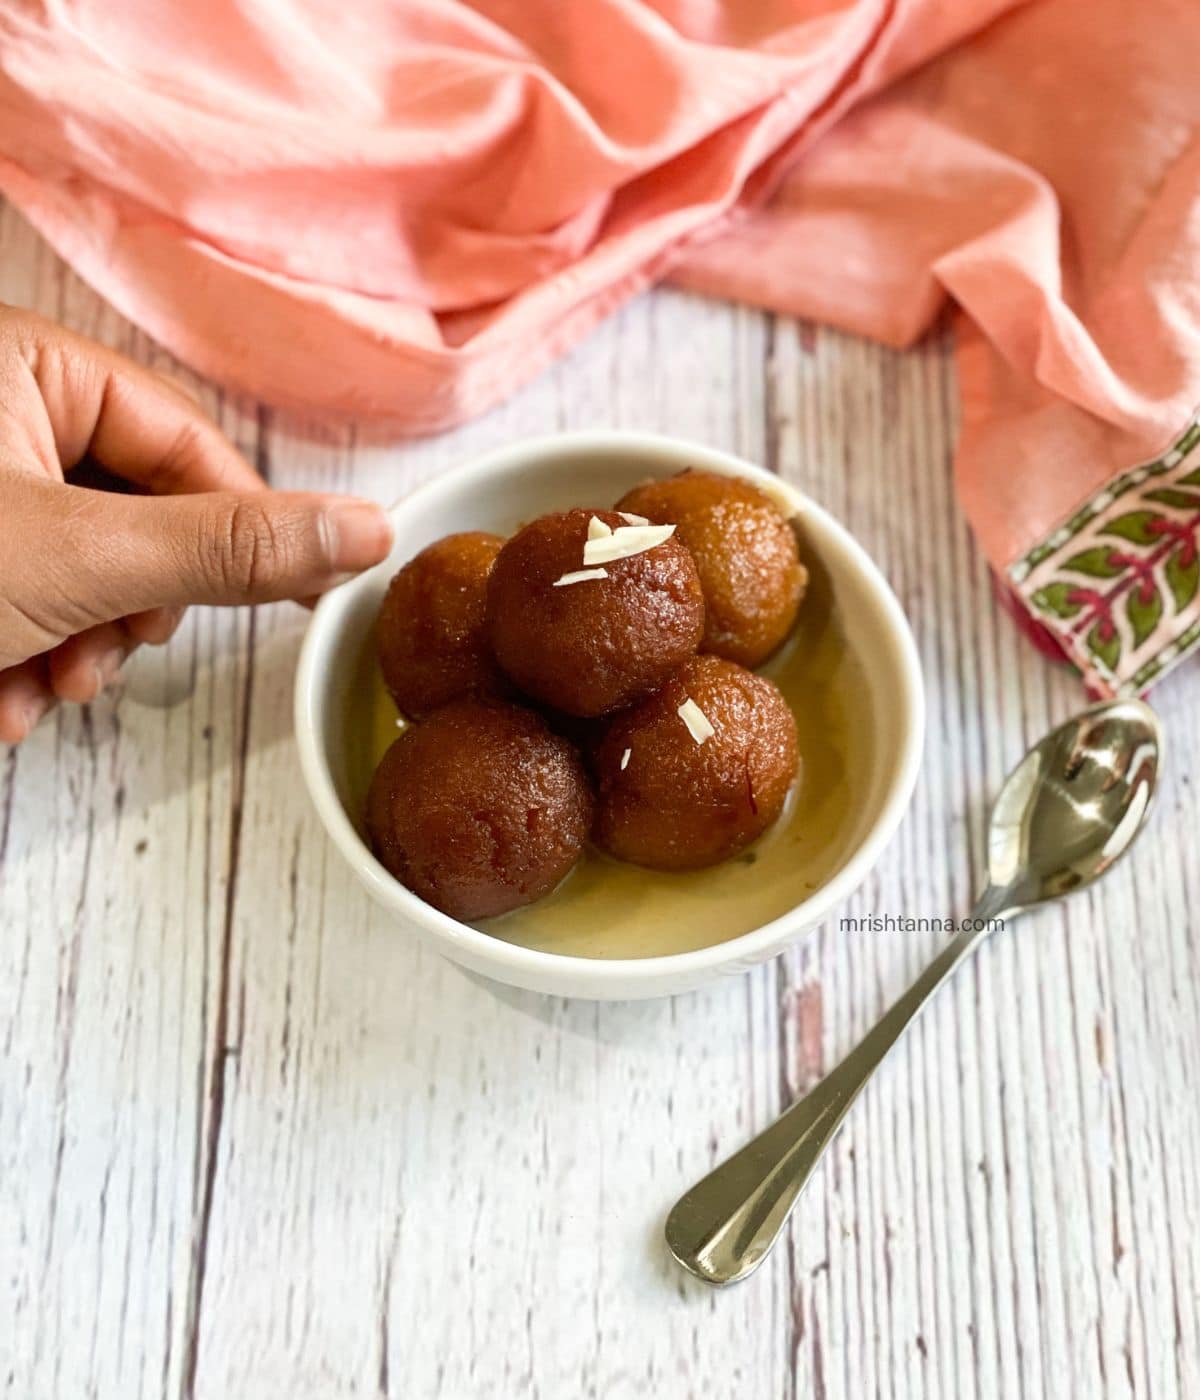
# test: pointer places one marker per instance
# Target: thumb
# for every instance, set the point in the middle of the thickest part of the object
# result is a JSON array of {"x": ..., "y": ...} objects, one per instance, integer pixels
[{"x": 142, "y": 552}]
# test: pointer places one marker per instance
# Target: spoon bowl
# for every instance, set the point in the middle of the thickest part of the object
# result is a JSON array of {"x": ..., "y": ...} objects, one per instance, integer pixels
[{"x": 1074, "y": 803}]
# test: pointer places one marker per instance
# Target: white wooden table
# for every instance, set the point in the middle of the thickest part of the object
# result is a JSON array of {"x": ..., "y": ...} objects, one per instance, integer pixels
[{"x": 256, "y": 1143}]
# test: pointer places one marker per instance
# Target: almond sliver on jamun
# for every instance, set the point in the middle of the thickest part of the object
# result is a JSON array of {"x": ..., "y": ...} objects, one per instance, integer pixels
[{"x": 626, "y": 540}]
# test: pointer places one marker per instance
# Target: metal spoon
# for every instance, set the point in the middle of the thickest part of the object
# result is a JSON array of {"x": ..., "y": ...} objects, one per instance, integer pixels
[{"x": 1071, "y": 807}]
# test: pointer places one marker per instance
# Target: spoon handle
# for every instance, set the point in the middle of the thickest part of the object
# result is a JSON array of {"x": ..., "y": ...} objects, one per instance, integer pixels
[{"x": 723, "y": 1227}]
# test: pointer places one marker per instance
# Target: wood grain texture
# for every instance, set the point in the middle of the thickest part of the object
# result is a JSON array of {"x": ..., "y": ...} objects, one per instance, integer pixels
[{"x": 253, "y": 1141}]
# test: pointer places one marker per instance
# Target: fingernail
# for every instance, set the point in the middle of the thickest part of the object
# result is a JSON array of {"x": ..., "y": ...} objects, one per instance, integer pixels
[
  {"x": 107, "y": 667},
  {"x": 361, "y": 535},
  {"x": 33, "y": 710},
  {"x": 172, "y": 617}
]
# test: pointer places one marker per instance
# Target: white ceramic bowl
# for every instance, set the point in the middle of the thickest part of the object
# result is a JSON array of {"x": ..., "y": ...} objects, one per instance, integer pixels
[{"x": 516, "y": 483}]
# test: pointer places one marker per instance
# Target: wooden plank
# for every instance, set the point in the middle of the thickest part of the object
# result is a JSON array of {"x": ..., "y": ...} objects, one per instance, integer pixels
[
  {"x": 991, "y": 1180},
  {"x": 499, "y": 1211},
  {"x": 121, "y": 824}
]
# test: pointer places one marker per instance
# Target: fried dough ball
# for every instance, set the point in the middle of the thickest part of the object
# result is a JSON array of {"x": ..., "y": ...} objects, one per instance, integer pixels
[
  {"x": 670, "y": 802},
  {"x": 590, "y": 647},
  {"x": 431, "y": 636},
  {"x": 479, "y": 809},
  {"x": 745, "y": 552}
]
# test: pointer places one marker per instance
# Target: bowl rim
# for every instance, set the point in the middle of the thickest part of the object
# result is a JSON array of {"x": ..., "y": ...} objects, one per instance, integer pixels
[{"x": 485, "y": 949}]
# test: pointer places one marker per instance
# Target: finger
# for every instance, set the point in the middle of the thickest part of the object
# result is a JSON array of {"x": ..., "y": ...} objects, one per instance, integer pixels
[
  {"x": 127, "y": 416},
  {"x": 84, "y": 664},
  {"x": 134, "y": 553},
  {"x": 155, "y": 627},
  {"x": 25, "y": 697}
]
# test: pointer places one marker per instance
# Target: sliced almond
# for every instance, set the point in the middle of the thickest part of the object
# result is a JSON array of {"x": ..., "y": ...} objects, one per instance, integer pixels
[
  {"x": 625, "y": 541},
  {"x": 696, "y": 720},
  {"x": 625, "y": 759},
  {"x": 580, "y": 576},
  {"x": 633, "y": 519},
  {"x": 597, "y": 529}
]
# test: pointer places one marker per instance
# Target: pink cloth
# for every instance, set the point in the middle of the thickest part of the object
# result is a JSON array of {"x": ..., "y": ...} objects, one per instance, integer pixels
[{"x": 404, "y": 208}]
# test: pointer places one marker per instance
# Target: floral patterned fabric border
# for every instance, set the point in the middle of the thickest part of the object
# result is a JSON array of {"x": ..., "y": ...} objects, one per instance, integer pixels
[{"x": 1118, "y": 584}]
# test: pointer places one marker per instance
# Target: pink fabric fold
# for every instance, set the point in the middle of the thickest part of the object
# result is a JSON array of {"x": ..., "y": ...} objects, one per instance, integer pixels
[{"x": 405, "y": 208}]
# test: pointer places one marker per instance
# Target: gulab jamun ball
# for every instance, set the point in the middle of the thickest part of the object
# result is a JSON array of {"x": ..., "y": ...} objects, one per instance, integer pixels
[
  {"x": 590, "y": 638},
  {"x": 431, "y": 637},
  {"x": 696, "y": 772},
  {"x": 479, "y": 809},
  {"x": 745, "y": 553}
]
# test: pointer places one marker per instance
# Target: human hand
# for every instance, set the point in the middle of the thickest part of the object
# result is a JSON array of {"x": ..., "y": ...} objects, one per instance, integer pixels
[{"x": 86, "y": 575}]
